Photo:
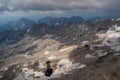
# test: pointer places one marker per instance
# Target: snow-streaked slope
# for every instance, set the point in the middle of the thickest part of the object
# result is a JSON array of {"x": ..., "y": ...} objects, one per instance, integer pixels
[{"x": 112, "y": 38}]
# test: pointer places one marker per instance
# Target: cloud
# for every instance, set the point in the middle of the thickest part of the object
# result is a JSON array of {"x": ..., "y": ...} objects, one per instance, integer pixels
[{"x": 43, "y": 6}]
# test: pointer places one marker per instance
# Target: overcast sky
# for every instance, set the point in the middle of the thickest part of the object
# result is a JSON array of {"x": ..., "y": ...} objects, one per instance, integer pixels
[{"x": 20, "y": 8}]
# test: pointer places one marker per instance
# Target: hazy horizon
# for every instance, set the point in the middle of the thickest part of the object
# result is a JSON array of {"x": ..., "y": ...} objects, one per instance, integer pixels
[{"x": 11, "y": 10}]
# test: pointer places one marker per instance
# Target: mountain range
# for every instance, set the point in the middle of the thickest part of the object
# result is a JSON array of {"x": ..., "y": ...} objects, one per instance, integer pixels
[
  {"x": 78, "y": 49},
  {"x": 25, "y": 23}
]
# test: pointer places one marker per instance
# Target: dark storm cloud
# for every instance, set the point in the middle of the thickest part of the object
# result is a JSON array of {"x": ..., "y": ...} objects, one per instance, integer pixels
[
  {"x": 44, "y": 5},
  {"x": 106, "y": 6},
  {"x": 52, "y": 4}
]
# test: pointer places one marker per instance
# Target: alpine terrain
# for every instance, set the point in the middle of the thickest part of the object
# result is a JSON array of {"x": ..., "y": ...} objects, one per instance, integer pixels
[{"x": 77, "y": 49}]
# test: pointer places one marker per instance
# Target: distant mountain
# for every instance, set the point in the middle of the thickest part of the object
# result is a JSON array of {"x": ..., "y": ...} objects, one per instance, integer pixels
[
  {"x": 40, "y": 30},
  {"x": 56, "y": 22},
  {"x": 76, "y": 19},
  {"x": 23, "y": 23},
  {"x": 7, "y": 26}
]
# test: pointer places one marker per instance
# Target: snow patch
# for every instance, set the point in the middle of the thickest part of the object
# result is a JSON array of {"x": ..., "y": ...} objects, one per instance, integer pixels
[
  {"x": 28, "y": 30},
  {"x": 113, "y": 38},
  {"x": 101, "y": 53},
  {"x": 65, "y": 65},
  {"x": 47, "y": 52},
  {"x": 37, "y": 41},
  {"x": 89, "y": 56},
  {"x": 38, "y": 74},
  {"x": 117, "y": 54},
  {"x": 62, "y": 50},
  {"x": 118, "y": 19},
  {"x": 101, "y": 36},
  {"x": 81, "y": 66},
  {"x": 52, "y": 57},
  {"x": 41, "y": 64},
  {"x": 78, "y": 66},
  {"x": 28, "y": 72}
]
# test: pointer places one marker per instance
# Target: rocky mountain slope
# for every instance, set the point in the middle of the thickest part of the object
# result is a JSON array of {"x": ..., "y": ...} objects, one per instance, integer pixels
[{"x": 77, "y": 51}]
